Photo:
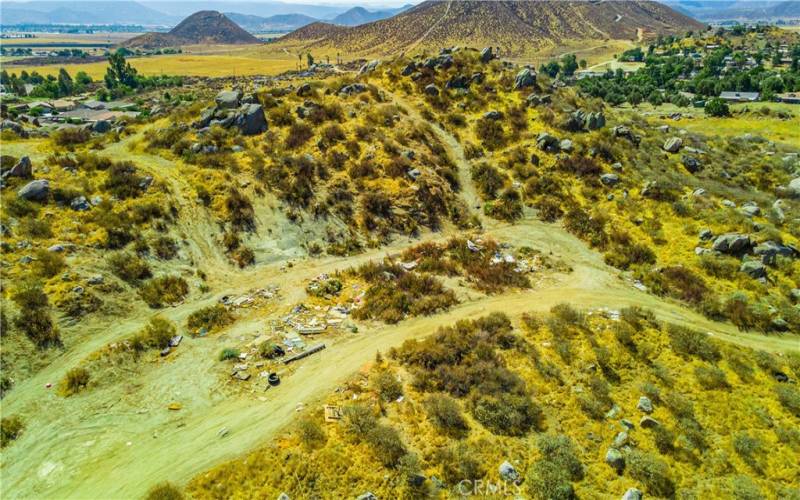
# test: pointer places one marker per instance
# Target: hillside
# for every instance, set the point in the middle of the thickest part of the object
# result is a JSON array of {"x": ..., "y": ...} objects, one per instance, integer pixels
[
  {"x": 281, "y": 22},
  {"x": 359, "y": 15},
  {"x": 516, "y": 27},
  {"x": 204, "y": 27}
]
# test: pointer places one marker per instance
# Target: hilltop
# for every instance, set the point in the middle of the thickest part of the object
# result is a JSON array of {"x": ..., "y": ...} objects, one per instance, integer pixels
[
  {"x": 204, "y": 27},
  {"x": 359, "y": 15},
  {"x": 281, "y": 22},
  {"x": 516, "y": 27}
]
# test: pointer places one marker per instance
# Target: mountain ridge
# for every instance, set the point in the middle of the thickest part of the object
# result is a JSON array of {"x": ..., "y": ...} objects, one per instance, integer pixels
[
  {"x": 514, "y": 26},
  {"x": 203, "y": 27}
]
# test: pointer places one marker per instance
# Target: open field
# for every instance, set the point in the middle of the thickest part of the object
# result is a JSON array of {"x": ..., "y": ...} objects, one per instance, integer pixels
[
  {"x": 180, "y": 64},
  {"x": 67, "y": 38}
]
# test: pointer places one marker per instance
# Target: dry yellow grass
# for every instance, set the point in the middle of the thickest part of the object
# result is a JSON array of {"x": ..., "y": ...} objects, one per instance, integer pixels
[{"x": 179, "y": 64}]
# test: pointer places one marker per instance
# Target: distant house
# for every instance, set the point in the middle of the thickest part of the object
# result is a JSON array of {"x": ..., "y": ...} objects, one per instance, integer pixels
[
  {"x": 739, "y": 96},
  {"x": 63, "y": 105},
  {"x": 789, "y": 98},
  {"x": 95, "y": 105}
]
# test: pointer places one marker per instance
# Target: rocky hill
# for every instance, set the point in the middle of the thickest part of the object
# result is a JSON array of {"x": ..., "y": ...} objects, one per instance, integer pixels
[
  {"x": 204, "y": 27},
  {"x": 514, "y": 26},
  {"x": 281, "y": 22}
]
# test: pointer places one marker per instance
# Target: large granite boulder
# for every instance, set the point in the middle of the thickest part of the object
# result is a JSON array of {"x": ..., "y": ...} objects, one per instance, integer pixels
[
  {"x": 228, "y": 99},
  {"x": 251, "y": 119},
  {"x": 37, "y": 190},
  {"x": 525, "y": 78},
  {"x": 733, "y": 244}
]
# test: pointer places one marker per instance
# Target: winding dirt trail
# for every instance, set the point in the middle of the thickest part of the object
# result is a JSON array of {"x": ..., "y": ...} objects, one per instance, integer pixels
[{"x": 116, "y": 440}]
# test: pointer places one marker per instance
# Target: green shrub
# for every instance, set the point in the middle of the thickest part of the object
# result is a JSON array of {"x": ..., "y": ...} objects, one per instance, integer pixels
[
  {"x": 488, "y": 180},
  {"x": 490, "y": 133},
  {"x": 129, "y": 267},
  {"x": 746, "y": 446},
  {"x": 311, "y": 433},
  {"x": 789, "y": 397},
  {"x": 48, "y": 264},
  {"x": 229, "y": 353},
  {"x": 686, "y": 342},
  {"x": 164, "y": 290},
  {"x": 10, "y": 429},
  {"x": 71, "y": 135},
  {"x": 156, "y": 334},
  {"x": 164, "y": 491},
  {"x": 711, "y": 377},
  {"x": 359, "y": 420},
  {"x": 560, "y": 450},
  {"x": 210, "y": 318},
  {"x": 386, "y": 444},
  {"x": 459, "y": 462},
  {"x": 298, "y": 134},
  {"x": 34, "y": 318},
  {"x": 165, "y": 248},
  {"x": 547, "y": 481},
  {"x": 507, "y": 414},
  {"x": 445, "y": 413},
  {"x": 652, "y": 472},
  {"x": 35, "y": 228},
  {"x": 75, "y": 381},
  {"x": 387, "y": 385},
  {"x": 123, "y": 181}
]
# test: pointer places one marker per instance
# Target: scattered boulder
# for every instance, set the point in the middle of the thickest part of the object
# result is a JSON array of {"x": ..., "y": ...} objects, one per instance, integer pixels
[
  {"x": 691, "y": 164},
  {"x": 620, "y": 440},
  {"x": 594, "y": 121},
  {"x": 648, "y": 422},
  {"x": 537, "y": 99},
  {"x": 205, "y": 118},
  {"x": 97, "y": 279},
  {"x": 80, "y": 204},
  {"x": 645, "y": 404},
  {"x": 353, "y": 88},
  {"x": 228, "y": 99},
  {"x": 615, "y": 459},
  {"x": 547, "y": 142},
  {"x": 673, "y": 144},
  {"x": 409, "y": 69},
  {"x": 706, "y": 235},
  {"x": 793, "y": 188},
  {"x": 508, "y": 472},
  {"x": 728, "y": 203},
  {"x": 493, "y": 115},
  {"x": 770, "y": 250},
  {"x": 304, "y": 89},
  {"x": 621, "y": 131},
  {"x": 486, "y": 55},
  {"x": 525, "y": 78},
  {"x": 431, "y": 90},
  {"x": 609, "y": 179},
  {"x": 101, "y": 126},
  {"x": 750, "y": 209},
  {"x": 22, "y": 169},
  {"x": 633, "y": 494},
  {"x": 754, "y": 268},
  {"x": 733, "y": 244},
  {"x": 457, "y": 82},
  {"x": 37, "y": 190},
  {"x": 565, "y": 145},
  {"x": 14, "y": 127},
  {"x": 56, "y": 248},
  {"x": 364, "y": 496},
  {"x": 251, "y": 119}
]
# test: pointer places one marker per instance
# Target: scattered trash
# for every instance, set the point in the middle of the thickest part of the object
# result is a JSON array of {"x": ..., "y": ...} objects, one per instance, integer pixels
[
  {"x": 303, "y": 354},
  {"x": 165, "y": 351},
  {"x": 175, "y": 341},
  {"x": 223, "y": 432},
  {"x": 473, "y": 247},
  {"x": 174, "y": 406},
  {"x": 273, "y": 379},
  {"x": 332, "y": 413}
]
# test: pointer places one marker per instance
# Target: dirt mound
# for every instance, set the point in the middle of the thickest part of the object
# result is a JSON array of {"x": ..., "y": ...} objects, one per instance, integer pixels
[
  {"x": 513, "y": 26},
  {"x": 204, "y": 27}
]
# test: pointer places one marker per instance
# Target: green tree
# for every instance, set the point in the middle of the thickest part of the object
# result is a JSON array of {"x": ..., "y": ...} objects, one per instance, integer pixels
[
  {"x": 717, "y": 107},
  {"x": 569, "y": 64},
  {"x": 310, "y": 59},
  {"x": 119, "y": 72},
  {"x": 65, "y": 85}
]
